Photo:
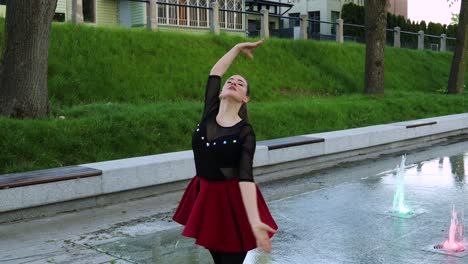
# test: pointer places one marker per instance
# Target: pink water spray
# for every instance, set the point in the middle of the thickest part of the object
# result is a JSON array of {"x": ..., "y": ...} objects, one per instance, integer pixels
[{"x": 455, "y": 240}]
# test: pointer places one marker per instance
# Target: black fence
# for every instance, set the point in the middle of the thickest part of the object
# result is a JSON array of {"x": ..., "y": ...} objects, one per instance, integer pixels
[
  {"x": 287, "y": 27},
  {"x": 172, "y": 13},
  {"x": 354, "y": 33}
]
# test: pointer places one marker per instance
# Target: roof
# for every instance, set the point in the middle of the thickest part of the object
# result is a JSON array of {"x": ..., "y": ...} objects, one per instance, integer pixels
[{"x": 266, "y": 2}]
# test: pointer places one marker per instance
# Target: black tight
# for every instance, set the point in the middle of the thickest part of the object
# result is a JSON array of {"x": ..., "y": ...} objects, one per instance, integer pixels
[{"x": 228, "y": 258}]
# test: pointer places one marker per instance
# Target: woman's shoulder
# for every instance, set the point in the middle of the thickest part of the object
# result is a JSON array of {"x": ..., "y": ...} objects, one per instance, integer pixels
[{"x": 246, "y": 128}]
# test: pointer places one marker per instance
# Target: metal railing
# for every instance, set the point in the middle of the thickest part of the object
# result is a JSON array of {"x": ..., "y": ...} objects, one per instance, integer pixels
[
  {"x": 285, "y": 28},
  {"x": 354, "y": 33},
  {"x": 204, "y": 15}
]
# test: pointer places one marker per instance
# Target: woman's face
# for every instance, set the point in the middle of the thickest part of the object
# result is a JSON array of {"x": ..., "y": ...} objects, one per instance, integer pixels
[{"x": 236, "y": 88}]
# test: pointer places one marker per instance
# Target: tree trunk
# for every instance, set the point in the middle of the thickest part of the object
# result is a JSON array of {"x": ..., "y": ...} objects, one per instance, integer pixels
[
  {"x": 376, "y": 22},
  {"x": 457, "y": 71},
  {"x": 23, "y": 73}
]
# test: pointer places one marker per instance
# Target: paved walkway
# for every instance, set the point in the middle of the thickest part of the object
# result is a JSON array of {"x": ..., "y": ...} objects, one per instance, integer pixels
[{"x": 339, "y": 215}]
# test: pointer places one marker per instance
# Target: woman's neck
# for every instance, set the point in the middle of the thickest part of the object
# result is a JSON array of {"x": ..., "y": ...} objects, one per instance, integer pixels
[{"x": 228, "y": 113}]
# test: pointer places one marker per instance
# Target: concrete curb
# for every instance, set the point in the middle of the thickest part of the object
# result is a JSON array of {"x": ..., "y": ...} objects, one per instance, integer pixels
[{"x": 156, "y": 170}]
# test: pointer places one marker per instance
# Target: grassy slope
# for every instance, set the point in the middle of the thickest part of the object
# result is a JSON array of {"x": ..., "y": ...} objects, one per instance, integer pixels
[
  {"x": 91, "y": 65},
  {"x": 128, "y": 93}
]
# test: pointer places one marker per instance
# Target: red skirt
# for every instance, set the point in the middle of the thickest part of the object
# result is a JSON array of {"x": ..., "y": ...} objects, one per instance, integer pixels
[{"x": 214, "y": 214}]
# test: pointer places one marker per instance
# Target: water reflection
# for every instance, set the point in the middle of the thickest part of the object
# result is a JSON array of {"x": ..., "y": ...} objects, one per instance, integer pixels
[
  {"x": 324, "y": 220},
  {"x": 419, "y": 167},
  {"x": 439, "y": 172},
  {"x": 457, "y": 164},
  {"x": 163, "y": 247}
]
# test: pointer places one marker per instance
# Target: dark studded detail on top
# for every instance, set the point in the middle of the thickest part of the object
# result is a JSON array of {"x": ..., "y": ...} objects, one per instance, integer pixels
[{"x": 222, "y": 152}]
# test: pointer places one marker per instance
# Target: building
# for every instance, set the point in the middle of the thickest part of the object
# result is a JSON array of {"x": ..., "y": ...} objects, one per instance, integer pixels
[
  {"x": 128, "y": 13},
  {"x": 323, "y": 10},
  {"x": 329, "y": 11},
  {"x": 275, "y": 9},
  {"x": 398, "y": 7}
]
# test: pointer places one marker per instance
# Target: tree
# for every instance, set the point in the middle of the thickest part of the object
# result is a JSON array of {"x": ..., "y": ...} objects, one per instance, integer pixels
[
  {"x": 376, "y": 23},
  {"x": 455, "y": 18},
  {"x": 23, "y": 71},
  {"x": 422, "y": 26},
  {"x": 457, "y": 71},
  {"x": 353, "y": 14}
]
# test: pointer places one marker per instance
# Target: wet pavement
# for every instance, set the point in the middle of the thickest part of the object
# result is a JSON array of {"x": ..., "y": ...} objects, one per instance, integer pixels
[{"x": 339, "y": 215}]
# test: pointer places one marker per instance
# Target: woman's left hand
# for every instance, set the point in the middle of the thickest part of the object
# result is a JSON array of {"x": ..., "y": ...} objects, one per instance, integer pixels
[
  {"x": 247, "y": 47},
  {"x": 260, "y": 231}
]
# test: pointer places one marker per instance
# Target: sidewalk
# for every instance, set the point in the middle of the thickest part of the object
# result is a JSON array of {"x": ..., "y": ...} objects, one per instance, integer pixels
[{"x": 321, "y": 208}]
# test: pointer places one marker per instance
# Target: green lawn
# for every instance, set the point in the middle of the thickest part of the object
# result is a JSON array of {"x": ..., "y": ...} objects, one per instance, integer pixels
[{"x": 127, "y": 93}]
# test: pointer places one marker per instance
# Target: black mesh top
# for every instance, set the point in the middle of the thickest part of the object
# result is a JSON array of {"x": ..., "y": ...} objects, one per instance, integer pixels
[{"x": 222, "y": 152}]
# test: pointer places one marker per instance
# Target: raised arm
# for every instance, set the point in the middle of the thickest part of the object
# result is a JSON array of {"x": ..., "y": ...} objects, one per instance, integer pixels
[
  {"x": 214, "y": 81},
  {"x": 223, "y": 64}
]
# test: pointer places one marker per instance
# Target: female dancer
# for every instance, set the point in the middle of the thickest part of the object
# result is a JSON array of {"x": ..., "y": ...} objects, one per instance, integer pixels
[{"x": 222, "y": 207}]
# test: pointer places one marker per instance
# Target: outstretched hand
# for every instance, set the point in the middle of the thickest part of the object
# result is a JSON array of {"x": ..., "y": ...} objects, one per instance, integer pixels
[
  {"x": 260, "y": 231},
  {"x": 247, "y": 47}
]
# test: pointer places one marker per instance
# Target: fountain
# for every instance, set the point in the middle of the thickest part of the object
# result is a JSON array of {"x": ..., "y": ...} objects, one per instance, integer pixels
[
  {"x": 455, "y": 238},
  {"x": 399, "y": 206}
]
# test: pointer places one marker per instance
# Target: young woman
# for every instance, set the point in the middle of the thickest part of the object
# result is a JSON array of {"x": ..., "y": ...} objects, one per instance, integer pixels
[{"x": 222, "y": 207}]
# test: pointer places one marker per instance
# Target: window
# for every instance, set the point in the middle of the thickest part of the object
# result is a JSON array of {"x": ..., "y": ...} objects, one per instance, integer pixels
[
  {"x": 203, "y": 13},
  {"x": 162, "y": 13},
  {"x": 334, "y": 16},
  {"x": 89, "y": 11},
  {"x": 294, "y": 22},
  {"x": 197, "y": 17},
  {"x": 272, "y": 9},
  {"x": 182, "y": 15},
  {"x": 254, "y": 25},
  {"x": 272, "y": 25},
  {"x": 173, "y": 16},
  {"x": 222, "y": 15},
  {"x": 193, "y": 14},
  {"x": 314, "y": 26},
  {"x": 230, "y": 20},
  {"x": 59, "y": 17}
]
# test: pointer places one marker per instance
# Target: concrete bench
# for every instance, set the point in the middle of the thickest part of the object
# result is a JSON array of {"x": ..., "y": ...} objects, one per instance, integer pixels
[
  {"x": 289, "y": 142},
  {"x": 44, "y": 176}
]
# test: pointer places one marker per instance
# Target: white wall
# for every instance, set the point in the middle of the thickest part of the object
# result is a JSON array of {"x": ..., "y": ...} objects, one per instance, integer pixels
[
  {"x": 333, "y": 5},
  {"x": 324, "y": 6}
]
